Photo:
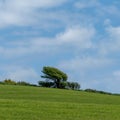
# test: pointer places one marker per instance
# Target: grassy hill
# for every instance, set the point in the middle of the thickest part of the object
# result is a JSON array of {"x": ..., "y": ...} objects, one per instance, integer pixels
[{"x": 35, "y": 103}]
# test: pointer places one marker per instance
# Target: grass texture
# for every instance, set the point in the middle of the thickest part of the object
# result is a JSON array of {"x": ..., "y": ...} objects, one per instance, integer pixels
[{"x": 35, "y": 103}]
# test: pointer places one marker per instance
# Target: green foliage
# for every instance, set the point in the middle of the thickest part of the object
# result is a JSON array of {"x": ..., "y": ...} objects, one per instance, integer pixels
[
  {"x": 12, "y": 82},
  {"x": 1, "y": 82},
  {"x": 63, "y": 85},
  {"x": 9, "y": 82},
  {"x": 73, "y": 85},
  {"x": 45, "y": 84},
  {"x": 97, "y": 91},
  {"x": 55, "y": 75},
  {"x": 23, "y": 83}
]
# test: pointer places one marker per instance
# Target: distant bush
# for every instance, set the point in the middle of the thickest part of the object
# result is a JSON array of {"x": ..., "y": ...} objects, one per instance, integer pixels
[
  {"x": 1, "y": 82},
  {"x": 73, "y": 85},
  {"x": 23, "y": 83},
  {"x": 12, "y": 82},
  {"x": 45, "y": 84},
  {"x": 97, "y": 91},
  {"x": 8, "y": 82},
  {"x": 90, "y": 90},
  {"x": 63, "y": 85}
]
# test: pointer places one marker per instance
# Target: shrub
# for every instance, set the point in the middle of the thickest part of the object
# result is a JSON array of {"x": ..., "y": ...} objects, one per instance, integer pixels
[
  {"x": 90, "y": 90},
  {"x": 46, "y": 84},
  {"x": 23, "y": 83},
  {"x": 97, "y": 91},
  {"x": 9, "y": 82},
  {"x": 73, "y": 85},
  {"x": 63, "y": 85},
  {"x": 1, "y": 82}
]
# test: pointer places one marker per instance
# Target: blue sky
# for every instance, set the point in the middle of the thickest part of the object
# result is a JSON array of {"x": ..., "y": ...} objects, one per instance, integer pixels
[{"x": 80, "y": 37}]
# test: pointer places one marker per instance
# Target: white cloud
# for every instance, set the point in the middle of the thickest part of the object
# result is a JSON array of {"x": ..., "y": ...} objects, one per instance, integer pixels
[
  {"x": 76, "y": 37},
  {"x": 19, "y": 73},
  {"x": 38, "y": 13},
  {"x": 100, "y": 9},
  {"x": 89, "y": 71},
  {"x": 114, "y": 32},
  {"x": 117, "y": 74},
  {"x": 31, "y": 3},
  {"x": 88, "y": 48},
  {"x": 113, "y": 81},
  {"x": 92, "y": 72},
  {"x": 82, "y": 4},
  {"x": 85, "y": 63},
  {"x": 24, "y": 75},
  {"x": 110, "y": 10},
  {"x": 79, "y": 36},
  {"x": 23, "y": 12},
  {"x": 110, "y": 42},
  {"x": 108, "y": 84}
]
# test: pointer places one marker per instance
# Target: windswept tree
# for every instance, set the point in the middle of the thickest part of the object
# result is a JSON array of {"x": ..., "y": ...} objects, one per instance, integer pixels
[{"x": 55, "y": 75}]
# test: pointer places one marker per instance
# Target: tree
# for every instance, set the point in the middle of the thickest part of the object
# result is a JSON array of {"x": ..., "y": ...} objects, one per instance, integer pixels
[
  {"x": 55, "y": 75},
  {"x": 73, "y": 85},
  {"x": 9, "y": 82},
  {"x": 45, "y": 84}
]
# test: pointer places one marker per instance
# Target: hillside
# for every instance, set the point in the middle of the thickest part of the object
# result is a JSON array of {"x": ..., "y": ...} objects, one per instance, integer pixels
[{"x": 35, "y": 103}]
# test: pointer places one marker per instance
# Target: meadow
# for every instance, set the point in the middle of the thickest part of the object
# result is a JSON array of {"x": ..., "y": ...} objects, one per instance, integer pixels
[{"x": 36, "y": 103}]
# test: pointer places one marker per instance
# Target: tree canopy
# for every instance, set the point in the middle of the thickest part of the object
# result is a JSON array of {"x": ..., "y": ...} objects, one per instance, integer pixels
[{"x": 54, "y": 74}]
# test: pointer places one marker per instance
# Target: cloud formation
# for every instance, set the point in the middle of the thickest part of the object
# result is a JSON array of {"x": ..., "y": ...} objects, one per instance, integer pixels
[
  {"x": 76, "y": 37},
  {"x": 80, "y": 37},
  {"x": 23, "y": 12}
]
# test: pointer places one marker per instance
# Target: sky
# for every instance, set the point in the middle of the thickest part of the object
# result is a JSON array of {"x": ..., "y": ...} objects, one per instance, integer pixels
[{"x": 79, "y": 37}]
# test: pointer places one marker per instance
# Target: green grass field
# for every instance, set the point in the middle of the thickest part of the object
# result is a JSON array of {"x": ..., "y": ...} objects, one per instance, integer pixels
[{"x": 35, "y": 103}]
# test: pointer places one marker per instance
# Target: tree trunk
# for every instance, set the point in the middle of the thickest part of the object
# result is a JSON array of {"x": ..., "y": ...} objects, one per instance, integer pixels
[{"x": 58, "y": 83}]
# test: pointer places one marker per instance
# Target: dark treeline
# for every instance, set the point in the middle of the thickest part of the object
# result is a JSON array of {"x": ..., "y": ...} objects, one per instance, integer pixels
[
  {"x": 12, "y": 82},
  {"x": 64, "y": 85},
  {"x": 53, "y": 78},
  {"x": 70, "y": 85}
]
